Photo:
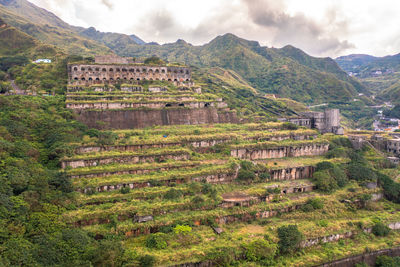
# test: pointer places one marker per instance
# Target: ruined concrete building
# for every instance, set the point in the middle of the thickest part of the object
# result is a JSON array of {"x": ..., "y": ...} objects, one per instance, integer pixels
[
  {"x": 114, "y": 70},
  {"x": 326, "y": 122}
]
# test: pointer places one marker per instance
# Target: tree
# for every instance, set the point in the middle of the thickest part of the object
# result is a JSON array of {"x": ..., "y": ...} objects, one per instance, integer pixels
[
  {"x": 324, "y": 181},
  {"x": 156, "y": 241},
  {"x": 289, "y": 238}
]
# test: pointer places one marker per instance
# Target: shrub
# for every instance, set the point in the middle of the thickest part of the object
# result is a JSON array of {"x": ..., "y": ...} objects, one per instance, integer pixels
[
  {"x": 260, "y": 250},
  {"x": 391, "y": 189},
  {"x": 197, "y": 201},
  {"x": 386, "y": 261},
  {"x": 324, "y": 181},
  {"x": 313, "y": 204},
  {"x": 337, "y": 152},
  {"x": 245, "y": 175},
  {"x": 156, "y": 241},
  {"x": 322, "y": 223},
  {"x": 289, "y": 238},
  {"x": 361, "y": 264},
  {"x": 221, "y": 256},
  {"x": 182, "y": 229},
  {"x": 379, "y": 229},
  {"x": 361, "y": 173},
  {"x": 264, "y": 176},
  {"x": 173, "y": 194},
  {"x": 147, "y": 261},
  {"x": 125, "y": 190},
  {"x": 247, "y": 165},
  {"x": 290, "y": 126},
  {"x": 324, "y": 165}
]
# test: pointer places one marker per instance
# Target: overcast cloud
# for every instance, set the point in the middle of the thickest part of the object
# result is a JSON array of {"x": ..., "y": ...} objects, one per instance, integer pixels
[{"x": 321, "y": 28}]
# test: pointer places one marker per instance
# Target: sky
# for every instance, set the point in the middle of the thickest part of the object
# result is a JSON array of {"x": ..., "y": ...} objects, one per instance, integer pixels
[{"x": 319, "y": 27}]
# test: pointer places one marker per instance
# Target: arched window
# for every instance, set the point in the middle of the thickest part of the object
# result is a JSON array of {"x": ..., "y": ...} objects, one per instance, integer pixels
[
  {"x": 187, "y": 80},
  {"x": 206, "y": 104},
  {"x": 111, "y": 79},
  {"x": 131, "y": 70},
  {"x": 162, "y": 71},
  {"x": 150, "y": 71},
  {"x": 138, "y": 79},
  {"x": 75, "y": 69},
  {"x": 82, "y": 69},
  {"x": 111, "y": 69},
  {"x": 169, "y": 80},
  {"x": 76, "y": 78},
  {"x": 157, "y": 71},
  {"x": 138, "y": 70},
  {"x": 97, "y": 69},
  {"x": 144, "y": 70},
  {"x": 104, "y": 69},
  {"x": 90, "y": 79},
  {"x": 181, "y": 105},
  {"x": 168, "y": 105},
  {"x": 117, "y": 70},
  {"x": 97, "y": 79},
  {"x": 123, "y": 70},
  {"x": 83, "y": 78},
  {"x": 175, "y": 80},
  {"x": 90, "y": 69}
]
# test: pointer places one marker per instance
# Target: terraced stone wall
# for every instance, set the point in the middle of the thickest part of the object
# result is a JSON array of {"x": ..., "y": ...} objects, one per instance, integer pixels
[
  {"x": 131, "y": 119},
  {"x": 281, "y": 152}
]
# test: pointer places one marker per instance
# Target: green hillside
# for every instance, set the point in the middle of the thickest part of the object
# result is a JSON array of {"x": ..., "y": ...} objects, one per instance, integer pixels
[{"x": 64, "y": 38}]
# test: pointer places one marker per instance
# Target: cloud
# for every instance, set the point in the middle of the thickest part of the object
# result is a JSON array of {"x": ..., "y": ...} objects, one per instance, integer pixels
[
  {"x": 107, "y": 3},
  {"x": 297, "y": 29}
]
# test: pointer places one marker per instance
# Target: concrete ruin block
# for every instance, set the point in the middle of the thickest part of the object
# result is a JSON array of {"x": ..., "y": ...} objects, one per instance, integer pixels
[
  {"x": 142, "y": 219},
  {"x": 218, "y": 230}
]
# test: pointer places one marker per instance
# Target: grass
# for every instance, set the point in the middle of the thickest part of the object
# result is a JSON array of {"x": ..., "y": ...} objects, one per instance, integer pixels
[{"x": 117, "y": 154}]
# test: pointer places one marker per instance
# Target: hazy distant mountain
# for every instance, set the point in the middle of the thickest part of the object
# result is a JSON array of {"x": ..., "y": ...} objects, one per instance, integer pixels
[
  {"x": 352, "y": 63},
  {"x": 367, "y": 66}
]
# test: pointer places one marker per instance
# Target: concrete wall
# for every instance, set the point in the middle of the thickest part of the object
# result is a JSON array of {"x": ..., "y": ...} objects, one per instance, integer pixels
[
  {"x": 281, "y": 152},
  {"x": 292, "y": 173},
  {"x": 130, "y": 119},
  {"x": 124, "y": 105}
]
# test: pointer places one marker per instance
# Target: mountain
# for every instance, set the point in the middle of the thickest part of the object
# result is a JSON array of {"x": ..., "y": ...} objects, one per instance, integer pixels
[
  {"x": 64, "y": 38},
  {"x": 353, "y": 62},
  {"x": 365, "y": 66},
  {"x": 110, "y": 39},
  {"x": 288, "y": 71},
  {"x": 381, "y": 75}
]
